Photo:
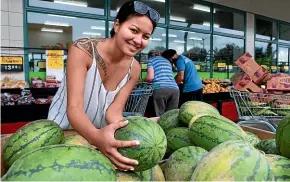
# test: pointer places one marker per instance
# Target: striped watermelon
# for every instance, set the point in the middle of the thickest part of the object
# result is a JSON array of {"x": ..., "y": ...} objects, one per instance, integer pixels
[
  {"x": 182, "y": 163},
  {"x": 62, "y": 163},
  {"x": 152, "y": 139},
  {"x": 280, "y": 166},
  {"x": 169, "y": 120},
  {"x": 191, "y": 108},
  {"x": 234, "y": 160},
  {"x": 283, "y": 137},
  {"x": 267, "y": 146},
  {"x": 75, "y": 139},
  {"x": 31, "y": 136},
  {"x": 252, "y": 138},
  {"x": 177, "y": 138},
  {"x": 210, "y": 131},
  {"x": 127, "y": 176},
  {"x": 153, "y": 174}
]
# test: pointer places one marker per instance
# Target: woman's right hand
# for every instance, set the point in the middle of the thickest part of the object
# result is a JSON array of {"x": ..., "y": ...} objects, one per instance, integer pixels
[{"x": 108, "y": 145}]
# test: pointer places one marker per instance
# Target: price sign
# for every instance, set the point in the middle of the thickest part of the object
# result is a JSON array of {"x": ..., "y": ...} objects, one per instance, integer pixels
[
  {"x": 197, "y": 67},
  {"x": 222, "y": 65},
  {"x": 55, "y": 59},
  {"x": 11, "y": 63}
]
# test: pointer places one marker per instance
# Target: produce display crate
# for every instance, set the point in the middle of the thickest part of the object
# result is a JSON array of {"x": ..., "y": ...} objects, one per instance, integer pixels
[{"x": 258, "y": 132}]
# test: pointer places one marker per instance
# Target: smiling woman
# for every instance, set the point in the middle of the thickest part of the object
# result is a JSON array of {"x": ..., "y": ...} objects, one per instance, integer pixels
[{"x": 100, "y": 75}]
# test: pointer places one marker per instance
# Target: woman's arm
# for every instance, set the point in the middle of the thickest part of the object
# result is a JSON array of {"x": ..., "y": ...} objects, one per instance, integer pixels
[{"x": 115, "y": 110}]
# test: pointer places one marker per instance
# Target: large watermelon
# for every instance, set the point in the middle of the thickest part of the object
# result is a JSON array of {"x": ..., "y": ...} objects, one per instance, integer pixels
[
  {"x": 169, "y": 120},
  {"x": 191, "y": 108},
  {"x": 280, "y": 166},
  {"x": 283, "y": 137},
  {"x": 31, "y": 136},
  {"x": 62, "y": 163},
  {"x": 234, "y": 160},
  {"x": 177, "y": 138},
  {"x": 182, "y": 163},
  {"x": 75, "y": 139},
  {"x": 267, "y": 146},
  {"x": 152, "y": 139},
  {"x": 252, "y": 138},
  {"x": 210, "y": 131},
  {"x": 127, "y": 176},
  {"x": 153, "y": 174}
]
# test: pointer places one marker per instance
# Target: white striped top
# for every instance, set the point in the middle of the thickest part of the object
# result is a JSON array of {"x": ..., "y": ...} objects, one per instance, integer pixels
[{"x": 96, "y": 98}]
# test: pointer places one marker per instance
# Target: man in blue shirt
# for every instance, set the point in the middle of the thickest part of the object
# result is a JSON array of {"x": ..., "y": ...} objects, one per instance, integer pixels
[
  {"x": 166, "y": 91},
  {"x": 187, "y": 74}
]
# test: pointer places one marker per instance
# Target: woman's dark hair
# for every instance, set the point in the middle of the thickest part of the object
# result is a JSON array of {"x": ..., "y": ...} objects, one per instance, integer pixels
[
  {"x": 168, "y": 54},
  {"x": 127, "y": 11}
]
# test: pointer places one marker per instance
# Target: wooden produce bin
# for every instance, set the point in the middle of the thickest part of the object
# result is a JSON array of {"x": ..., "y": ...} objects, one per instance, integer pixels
[{"x": 262, "y": 134}]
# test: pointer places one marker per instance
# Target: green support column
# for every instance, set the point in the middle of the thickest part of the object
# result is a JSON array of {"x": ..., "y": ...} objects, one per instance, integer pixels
[
  {"x": 25, "y": 42},
  {"x": 211, "y": 42}
]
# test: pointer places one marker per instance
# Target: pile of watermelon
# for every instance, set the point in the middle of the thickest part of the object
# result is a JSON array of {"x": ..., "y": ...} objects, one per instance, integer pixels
[
  {"x": 193, "y": 143},
  {"x": 205, "y": 146}
]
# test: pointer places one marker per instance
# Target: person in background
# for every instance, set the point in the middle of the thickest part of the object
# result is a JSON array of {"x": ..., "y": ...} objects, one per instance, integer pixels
[
  {"x": 166, "y": 92},
  {"x": 100, "y": 76},
  {"x": 187, "y": 74}
]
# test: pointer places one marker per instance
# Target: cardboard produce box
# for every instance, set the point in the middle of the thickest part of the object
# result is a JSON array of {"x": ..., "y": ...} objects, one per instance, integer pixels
[
  {"x": 256, "y": 72},
  {"x": 279, "y": 82}
]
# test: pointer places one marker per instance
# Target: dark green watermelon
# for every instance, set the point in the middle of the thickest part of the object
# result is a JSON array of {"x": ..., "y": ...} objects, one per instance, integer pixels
[
  {"x": 62, "y": 163},
  {"x": 280, "y": 166},
  {"x": 267, "y": 146},
  {"x": 169, "y": 120},
  {"x": 152, "y": 139},
  {"x": 31, "y": 136},
  {"x": 178, "y": 138},
  {"x": 182, "y": 163}
]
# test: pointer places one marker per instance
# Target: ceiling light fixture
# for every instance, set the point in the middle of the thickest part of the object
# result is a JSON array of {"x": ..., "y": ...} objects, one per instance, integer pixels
[
  {"x": 51, "y": 30},
  {"x": 156, "y": 39},
  {"x": 163, "y": 1},
  {"x": 195, "y": 38},
  {"x": 98, "y": 28},
  {"x": 56, "y": 24},
  {"x": 92, "y": 33},
  {"x": 169, "y": 35},
  {"x": 208, "y": 24},
  {"x": 174, "y": 18},
  {"x": 201, "y": 7},
  {"x": 73, "y": 3},
  {"x": 62, "y": 16},
  {"x": 179, "y": 41}
]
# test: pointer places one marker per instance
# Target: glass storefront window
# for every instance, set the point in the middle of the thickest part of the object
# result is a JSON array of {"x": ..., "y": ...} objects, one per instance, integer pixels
[
  {"x": 226, "y": 50},
  {"x": 284, "y": 33},
  {"x": 82, "y": 6},
  {"x": 283, "y": 61},
  {"x": 195, "y": 46},
  {"x": 188, "y": 14},
  {"x": 229, "y": 22},
  {"x": 266, "y": 29},
  {"x": 45, "y": 30},
  {"x": 266, "y": 55},
  {"x": 158, "y": 5}
]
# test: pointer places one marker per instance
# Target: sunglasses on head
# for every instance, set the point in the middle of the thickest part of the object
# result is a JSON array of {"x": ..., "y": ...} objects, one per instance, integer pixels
[{"x": 142, "y": 8}]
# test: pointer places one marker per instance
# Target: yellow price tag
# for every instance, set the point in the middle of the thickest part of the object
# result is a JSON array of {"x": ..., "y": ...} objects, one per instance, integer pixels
[
  {"x": 144, "y": 66},
  {"x": 222, "y": 65},
  {"x": 286, "y": 67},
  {"x": 55, "y": 59},
  {"x": 41, "y": 64},
  {"x": 265, "y": 66},
  {"x": 197, "y": 67},
  {"x": 273, "y": 67},
  {"x": 11, "y": 60},
  {"x": 230, "y": 67}
]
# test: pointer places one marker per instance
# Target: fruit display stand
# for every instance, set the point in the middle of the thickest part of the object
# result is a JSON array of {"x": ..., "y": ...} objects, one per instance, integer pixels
[{"x": 262, "y": 134}]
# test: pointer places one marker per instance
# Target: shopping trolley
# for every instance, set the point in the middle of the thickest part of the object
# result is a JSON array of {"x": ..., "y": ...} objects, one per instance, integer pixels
[
  {"x": 261, "y": 108},
  {"x": 137, "y": 101}
]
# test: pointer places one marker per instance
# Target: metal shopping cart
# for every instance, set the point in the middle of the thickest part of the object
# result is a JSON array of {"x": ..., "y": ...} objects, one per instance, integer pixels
[
  {"x": 137, "y": 102},
  {"x": 261, "y": 108}
]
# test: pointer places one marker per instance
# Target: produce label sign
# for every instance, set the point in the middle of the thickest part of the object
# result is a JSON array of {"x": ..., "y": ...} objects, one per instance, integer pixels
[
  {"x": 222, "y": 65},
  {"x": 11, "y": 63},
  {"x": 55, "y": 64},
  {"x": 55, "y": 59}
]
